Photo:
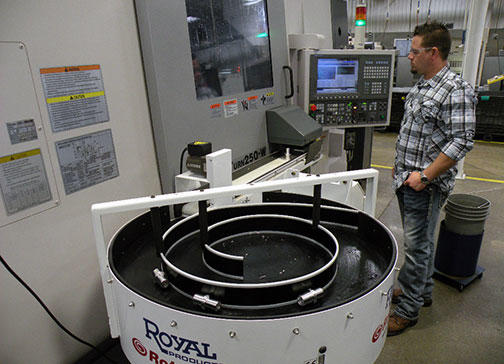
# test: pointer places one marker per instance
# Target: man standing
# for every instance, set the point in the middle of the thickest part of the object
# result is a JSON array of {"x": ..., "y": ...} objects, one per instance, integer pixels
[{"x": 437, "y": 130}]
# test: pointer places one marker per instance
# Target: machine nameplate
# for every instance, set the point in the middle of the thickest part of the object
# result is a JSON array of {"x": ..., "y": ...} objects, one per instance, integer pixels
[{"x": 249, "y": 158}]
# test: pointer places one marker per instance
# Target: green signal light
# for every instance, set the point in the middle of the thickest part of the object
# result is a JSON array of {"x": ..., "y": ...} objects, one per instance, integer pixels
[
  {"x": 360, "y": 23},
  {"x": 262, "y": 35}
]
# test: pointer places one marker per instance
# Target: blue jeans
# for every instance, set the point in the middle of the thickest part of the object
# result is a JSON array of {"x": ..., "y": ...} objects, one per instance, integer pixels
[{"x": 419, "y": 214}]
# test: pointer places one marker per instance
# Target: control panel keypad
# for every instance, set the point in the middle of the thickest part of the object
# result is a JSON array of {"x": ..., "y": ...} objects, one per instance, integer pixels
[
  {"x": 376, "y": 72},
  {"x": 347, "y": 113}
]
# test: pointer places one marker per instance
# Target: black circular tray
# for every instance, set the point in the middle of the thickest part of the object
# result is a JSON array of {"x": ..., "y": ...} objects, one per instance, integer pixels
[{"x": 272, "y": 254}]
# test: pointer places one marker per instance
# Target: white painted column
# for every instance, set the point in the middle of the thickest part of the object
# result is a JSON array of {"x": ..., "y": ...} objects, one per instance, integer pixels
[{"x": 472, "y": 51}]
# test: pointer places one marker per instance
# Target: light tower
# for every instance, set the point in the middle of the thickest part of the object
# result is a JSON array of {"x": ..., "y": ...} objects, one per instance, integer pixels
[{"x": 360, "y": 26}]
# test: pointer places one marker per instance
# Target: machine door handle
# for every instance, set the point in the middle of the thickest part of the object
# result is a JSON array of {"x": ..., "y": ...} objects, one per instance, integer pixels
[{"x": 291, "y": 78}]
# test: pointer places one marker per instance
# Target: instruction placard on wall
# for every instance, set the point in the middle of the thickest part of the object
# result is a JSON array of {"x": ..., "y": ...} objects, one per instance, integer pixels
[
  {"x": 75, "y": 96},
  {"x": 23, "y": 181},
  {"x": 87, "y": 160},
  {"x": 21, "y": 131}
]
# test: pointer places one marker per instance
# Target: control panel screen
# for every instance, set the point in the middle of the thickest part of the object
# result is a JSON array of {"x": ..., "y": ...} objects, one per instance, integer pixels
[{"x": 336, "y": 75}]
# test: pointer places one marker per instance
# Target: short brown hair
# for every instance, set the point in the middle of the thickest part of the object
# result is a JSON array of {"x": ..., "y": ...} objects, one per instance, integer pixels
[{"x": 435, "y": 34}]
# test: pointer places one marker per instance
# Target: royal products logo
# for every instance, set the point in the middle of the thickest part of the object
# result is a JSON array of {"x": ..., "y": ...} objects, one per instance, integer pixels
[{"x": 168, "y": 343}]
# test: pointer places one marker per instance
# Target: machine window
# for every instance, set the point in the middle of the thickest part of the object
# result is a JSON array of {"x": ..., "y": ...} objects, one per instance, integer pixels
[{"x": 230, "y": 46}]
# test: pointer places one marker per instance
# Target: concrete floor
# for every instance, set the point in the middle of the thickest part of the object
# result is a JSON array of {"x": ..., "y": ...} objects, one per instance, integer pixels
[{"x": 460, "y": 327}]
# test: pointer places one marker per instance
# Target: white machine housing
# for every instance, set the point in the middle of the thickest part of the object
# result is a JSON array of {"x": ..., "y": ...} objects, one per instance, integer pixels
[{"x": 353, "y": 333}]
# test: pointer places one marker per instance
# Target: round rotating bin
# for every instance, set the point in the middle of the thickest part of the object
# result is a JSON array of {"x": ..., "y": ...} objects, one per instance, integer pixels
[{"x": 265, "y": 283}]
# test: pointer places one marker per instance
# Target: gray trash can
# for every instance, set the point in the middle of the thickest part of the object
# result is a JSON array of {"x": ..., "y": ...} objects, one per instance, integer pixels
[{"x": 466, "y": 214}]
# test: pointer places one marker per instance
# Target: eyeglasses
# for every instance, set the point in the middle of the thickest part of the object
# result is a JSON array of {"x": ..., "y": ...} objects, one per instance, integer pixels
[{"x": 416, "y": 52}]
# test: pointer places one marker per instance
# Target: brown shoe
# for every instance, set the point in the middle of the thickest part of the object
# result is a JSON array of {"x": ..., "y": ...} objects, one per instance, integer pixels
[
  {"x": 395, "y": 295},
  {"x": 397, "y": 324},
  {"x": 427, "y": 302}
]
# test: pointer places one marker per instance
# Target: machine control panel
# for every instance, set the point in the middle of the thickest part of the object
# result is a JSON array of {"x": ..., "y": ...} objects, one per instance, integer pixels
[
  {"x": 349, "y": 88},
  {"x": 349, "y": 113}
]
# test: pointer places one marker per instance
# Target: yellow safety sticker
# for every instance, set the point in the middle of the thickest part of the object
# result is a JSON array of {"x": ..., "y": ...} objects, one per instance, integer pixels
[
  {"x": 13, "y": 157},
  {"x": 53, "y": 100}
]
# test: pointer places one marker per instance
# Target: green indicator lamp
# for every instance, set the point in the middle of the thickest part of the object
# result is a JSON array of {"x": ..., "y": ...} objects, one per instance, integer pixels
[
  {"x": 262, "y": 35},
  {"x": 360, "y": 23}
]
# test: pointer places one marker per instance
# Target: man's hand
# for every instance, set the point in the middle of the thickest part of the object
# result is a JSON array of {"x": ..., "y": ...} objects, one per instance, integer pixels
[{"x": 415, "y": 182}]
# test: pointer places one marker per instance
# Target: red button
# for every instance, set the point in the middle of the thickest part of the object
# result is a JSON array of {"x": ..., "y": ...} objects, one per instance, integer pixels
[{"x": 313, "y": 107}]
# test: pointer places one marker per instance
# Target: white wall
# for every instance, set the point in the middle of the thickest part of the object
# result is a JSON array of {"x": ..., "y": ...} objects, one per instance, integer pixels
[
  {"x": 54, "y": 251},
  {"x": 309, "y": 16}
]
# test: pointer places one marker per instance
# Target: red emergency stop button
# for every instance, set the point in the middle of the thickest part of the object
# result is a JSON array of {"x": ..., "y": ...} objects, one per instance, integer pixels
[{"x": 313, "y": 107}]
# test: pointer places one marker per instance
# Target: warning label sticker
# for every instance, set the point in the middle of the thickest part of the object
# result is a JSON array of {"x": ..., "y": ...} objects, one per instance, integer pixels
[
  {"x": 215, "y": 111},
  {"x": 21, "y": 131},
  {"x": 23, "y": 181},
  {"x": 249, "y": 103},
  {"x": 75, "y": 96},
  {"x": 230, "y": 108},
  {"x": 268, "y": 98},
  {"x": 252, "y": 101},
  {"x": 87, "y": 160}
]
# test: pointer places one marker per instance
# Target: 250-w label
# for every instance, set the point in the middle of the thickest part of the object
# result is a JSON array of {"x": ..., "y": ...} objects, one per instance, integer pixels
[{"x": 249, "y": 158}]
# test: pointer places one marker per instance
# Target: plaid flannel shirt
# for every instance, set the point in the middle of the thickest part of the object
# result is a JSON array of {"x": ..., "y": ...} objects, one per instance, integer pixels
[{"x": 439, "y": 117}]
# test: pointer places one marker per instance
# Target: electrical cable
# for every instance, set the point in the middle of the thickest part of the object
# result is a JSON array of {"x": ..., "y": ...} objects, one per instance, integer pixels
[
  {"x": 25, "y": 285},
  {"x": 182, "y": 159}
]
